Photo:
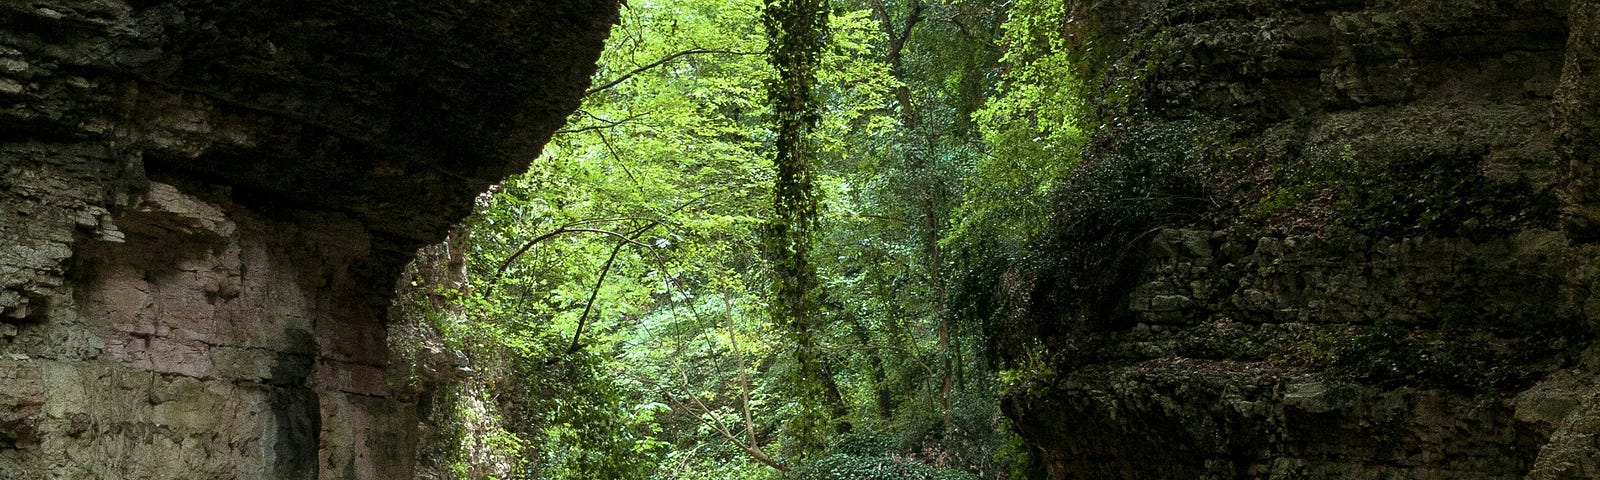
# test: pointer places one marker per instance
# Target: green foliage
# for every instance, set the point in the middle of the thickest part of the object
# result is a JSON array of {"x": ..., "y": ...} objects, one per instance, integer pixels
[
  {"x": 589, "y": 425},
  {"x": 1387, "y": 351},
  {"x": 872, "y": 456},
  {"x": 662, "y": 169},
  {"x": 1034, "y": 118},
  {"x": 656, "y": 300},
  {"x": 864, "y": 444},
  {"x": 1441, "y": 195},
  {"x": 1135, "y": 180},
  {"x": 1469, "y": 360},
  {"x": 852, "y": 467},
  {"x": 1030, "y": 368},
  {"x": 1031, "y": 128},
  {"x": 618, "y": 313}
]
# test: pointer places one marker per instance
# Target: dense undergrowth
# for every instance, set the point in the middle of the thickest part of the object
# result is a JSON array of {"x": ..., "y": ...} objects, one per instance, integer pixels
[{"x": 610, "y": 314}]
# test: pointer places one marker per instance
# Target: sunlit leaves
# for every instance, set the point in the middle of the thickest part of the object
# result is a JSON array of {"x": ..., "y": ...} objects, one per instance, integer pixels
[{"x": 670, "y": 158}]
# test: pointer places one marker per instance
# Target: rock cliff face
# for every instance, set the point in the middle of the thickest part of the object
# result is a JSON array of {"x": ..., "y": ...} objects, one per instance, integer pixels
[
  {"x": 204, "y": 205},
  {"x": 1353, "y": 239}
]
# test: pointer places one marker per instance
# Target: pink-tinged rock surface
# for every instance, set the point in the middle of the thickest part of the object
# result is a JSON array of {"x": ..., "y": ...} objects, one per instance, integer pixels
[
  {"x": 162, "y": 354},
  {"x": 351, "y": 378}
]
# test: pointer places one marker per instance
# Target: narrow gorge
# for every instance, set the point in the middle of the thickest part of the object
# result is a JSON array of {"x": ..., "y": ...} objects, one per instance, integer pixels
[{"x": 1300, "y": 239}]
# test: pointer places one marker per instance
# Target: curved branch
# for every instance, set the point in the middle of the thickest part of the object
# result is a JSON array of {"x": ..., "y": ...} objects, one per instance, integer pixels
[
  {"x": 568, "y": 228},
  {"x": 662, "y": 61},
  {"x": 625, "y": 238},
  {"x": 505, "y": 264},
  {"x": 608, "y": 123},
  {"x": 593, "y": 221}
]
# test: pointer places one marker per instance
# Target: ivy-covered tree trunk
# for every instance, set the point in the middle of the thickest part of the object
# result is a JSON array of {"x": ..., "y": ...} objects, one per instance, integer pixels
[{"x": 795, "y": 31}]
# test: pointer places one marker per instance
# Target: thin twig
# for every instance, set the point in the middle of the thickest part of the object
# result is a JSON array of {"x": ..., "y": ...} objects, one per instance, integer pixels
[
  {"x": 608, "y": 123},
  {"x": 716, "y": 424},
  {"x": 615, "y": 156},
  {"x": 744, "y": 381},
  {"x": 663, "y": 61},
  {"x": 498, "y": 272}
]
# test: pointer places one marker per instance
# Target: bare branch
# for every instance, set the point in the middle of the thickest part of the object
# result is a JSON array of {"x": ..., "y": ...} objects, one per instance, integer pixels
[
  {"x": 593, "y": 221},
  {"x": 744, "y": 381},
  {"x": 504, "y": 264},
  {"x": 716, "y": 424}
]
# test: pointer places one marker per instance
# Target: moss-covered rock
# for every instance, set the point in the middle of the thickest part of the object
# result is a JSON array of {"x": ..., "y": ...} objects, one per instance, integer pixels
[{"x": 1317, "y": 240}]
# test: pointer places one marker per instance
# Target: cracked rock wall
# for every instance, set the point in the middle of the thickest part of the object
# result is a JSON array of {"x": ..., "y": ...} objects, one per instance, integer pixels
[
  {"x": 204, "y": 205},
  {"x": 1378, "y": 261}
]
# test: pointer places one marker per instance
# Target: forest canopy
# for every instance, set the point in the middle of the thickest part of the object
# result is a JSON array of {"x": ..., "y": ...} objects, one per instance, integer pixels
[{"x": 764, "y": 247}]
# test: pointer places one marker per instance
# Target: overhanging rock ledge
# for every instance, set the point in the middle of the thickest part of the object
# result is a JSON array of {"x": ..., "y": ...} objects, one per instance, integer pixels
[{"x": 204, "y": 204}]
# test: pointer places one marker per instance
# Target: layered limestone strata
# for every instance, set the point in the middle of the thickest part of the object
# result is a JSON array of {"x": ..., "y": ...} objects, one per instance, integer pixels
[
  {"x": 204, "y": 205},
  {"x": 1389, "y": 268},
  {"x": 1304, "y": 357}
]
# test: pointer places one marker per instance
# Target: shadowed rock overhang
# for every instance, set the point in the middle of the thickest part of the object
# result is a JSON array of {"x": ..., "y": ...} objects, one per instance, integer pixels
[
  {"x": 204, "y": 206},
  {"x": 396, "y": 113}
]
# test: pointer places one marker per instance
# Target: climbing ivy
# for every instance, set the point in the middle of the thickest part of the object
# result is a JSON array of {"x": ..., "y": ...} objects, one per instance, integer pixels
[{"x": 795, "y": 33}]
